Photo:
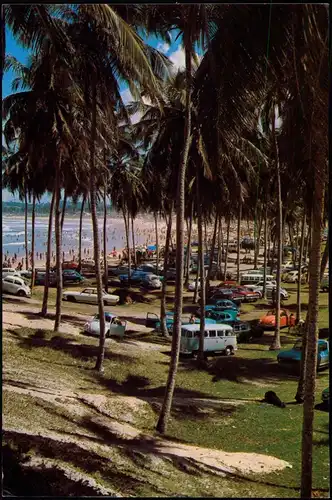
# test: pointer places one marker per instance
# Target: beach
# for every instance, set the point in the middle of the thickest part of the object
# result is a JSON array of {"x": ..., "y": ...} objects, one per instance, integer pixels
[{"x": 13, "y": 245}]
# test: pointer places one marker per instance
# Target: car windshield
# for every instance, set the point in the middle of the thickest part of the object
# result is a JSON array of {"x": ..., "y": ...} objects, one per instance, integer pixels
[{"x": 271, "y": 313}]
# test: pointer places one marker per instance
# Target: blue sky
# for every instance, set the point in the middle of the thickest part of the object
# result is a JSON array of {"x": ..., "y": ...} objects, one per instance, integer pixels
[{"x": 174, "y": 51}]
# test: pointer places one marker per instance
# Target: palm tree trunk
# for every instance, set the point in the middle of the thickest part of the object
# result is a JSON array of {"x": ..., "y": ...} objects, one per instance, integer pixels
[
  {"x": 157, "y": 240},
  {"x": 164, "y": 282},
  {"x": 63, "y": 210},
  {"x": 133, "y": 238},
  {"x": 238, "y": 242},
  {"x": 219, "y": 254},
  {"x": 48, "y": 257},
  {"x": 200, "y": 355},
  {"x": 58, "y": 247},
  {"x": 297, "y": 246},
  {"x": 33, "y": 226},
  {"x": 257, "y": 243},
  {"x": 227, "y": 242},
  {"x": 126, "y": 222},
  {"x": 312, "y": 322},
  {"x": 265, "y": 252},
  {"x": 180, "y": 206},
  {"x": 195, "y": 298},
  {"x": 276, "y": 339},
  {"x": 325, "y": 258},
  {"x": 189, "y": 244},
  {"x": 213, "y": 245},
  {"x": 105, "y": 239},
  {"x": 26, "y": 230},
  {"x": 80, "y": 236},
  {"x": 96, "y": 244},
  {"x": 298, "y": 301}
]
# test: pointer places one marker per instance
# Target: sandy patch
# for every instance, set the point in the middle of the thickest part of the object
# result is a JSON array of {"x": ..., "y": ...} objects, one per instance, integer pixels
[{"x": 14, "y": 320}]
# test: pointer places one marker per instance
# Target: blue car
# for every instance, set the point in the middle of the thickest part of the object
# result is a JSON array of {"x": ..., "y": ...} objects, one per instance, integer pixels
[
  {"x": 222, "y": 316},
  {"x": 221, "y": 305},
  {"x": 153, "y": 321},
  {"x": 292, "y": 357}
]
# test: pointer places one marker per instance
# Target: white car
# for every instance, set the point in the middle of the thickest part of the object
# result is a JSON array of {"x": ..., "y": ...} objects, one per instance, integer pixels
[
  {"x": 113, "y": 325},
  {"x": 151, "y": 281},
  {"x": 8, "y": 271},
  {"x": 270, "y": 285},
  {"x": 90, "y": 296},
  {"x": 292, "y": 277},
  {"x": 16, "y": 286},
  {"x": 192, "y": 286}
]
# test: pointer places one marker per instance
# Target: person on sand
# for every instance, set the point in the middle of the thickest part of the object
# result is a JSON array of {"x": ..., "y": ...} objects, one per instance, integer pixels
[{"x": 192, "y": 319}]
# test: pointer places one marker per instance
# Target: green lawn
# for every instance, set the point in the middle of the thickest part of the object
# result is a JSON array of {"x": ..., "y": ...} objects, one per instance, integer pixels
[{"x": 251, "y": 426}]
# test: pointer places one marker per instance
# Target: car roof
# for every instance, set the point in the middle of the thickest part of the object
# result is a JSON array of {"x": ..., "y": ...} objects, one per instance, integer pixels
[{"x": 196, "y": 327}]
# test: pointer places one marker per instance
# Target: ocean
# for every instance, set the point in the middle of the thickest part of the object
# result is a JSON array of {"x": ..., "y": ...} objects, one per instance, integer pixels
[{"x": 13, "y": 234}]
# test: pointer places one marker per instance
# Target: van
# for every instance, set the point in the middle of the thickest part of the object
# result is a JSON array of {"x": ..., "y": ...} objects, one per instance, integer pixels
[
  {"x": 251, "y": 279},
  {"x": 217, "y": 338}
]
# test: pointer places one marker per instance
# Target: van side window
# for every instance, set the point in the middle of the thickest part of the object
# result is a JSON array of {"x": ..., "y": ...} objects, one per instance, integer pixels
[
  {"x": 189, "y": 335},
  {"x": 213, "y": 333},
  {"x": 206, "y": 334},
  {"x": 221, "y": 333}
]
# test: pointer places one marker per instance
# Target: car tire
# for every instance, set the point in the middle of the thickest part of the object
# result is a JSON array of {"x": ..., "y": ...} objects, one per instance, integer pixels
[
  {"x": 228, "y": 351},
  {"x": 21, "y": 293}
]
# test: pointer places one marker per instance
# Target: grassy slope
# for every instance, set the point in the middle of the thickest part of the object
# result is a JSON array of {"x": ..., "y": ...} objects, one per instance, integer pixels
[{"x": 251, "y": 427}]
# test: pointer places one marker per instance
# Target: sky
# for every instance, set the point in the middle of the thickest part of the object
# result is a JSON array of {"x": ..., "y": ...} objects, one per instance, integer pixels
[{"x": 174, "y": 51}]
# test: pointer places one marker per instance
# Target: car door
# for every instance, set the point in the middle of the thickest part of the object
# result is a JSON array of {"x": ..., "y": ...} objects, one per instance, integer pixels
[
  {"x": 323, "y": 354},
  {"x": 85, "y": 296},
  {"x": 7, "y": 284},
  {"x": 220, "y": 340},
  {"x": 151, "y": 320},
  {"x": 115, "y": 329}
]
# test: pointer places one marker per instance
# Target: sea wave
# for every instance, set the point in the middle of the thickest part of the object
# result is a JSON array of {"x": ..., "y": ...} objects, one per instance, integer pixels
[
  {"x": 14, "y": 243},
  {"x": 20, "y": 233}
]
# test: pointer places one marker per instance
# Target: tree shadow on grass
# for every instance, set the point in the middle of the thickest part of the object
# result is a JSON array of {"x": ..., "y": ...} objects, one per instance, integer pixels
[
  {"x": 238, "y": 369},
  {"x": 65, "y": 317},
  {"x": 83, "y": 352}
]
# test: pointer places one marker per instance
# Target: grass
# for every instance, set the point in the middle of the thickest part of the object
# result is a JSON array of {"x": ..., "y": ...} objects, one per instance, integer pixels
[{"x": 252, "y": 426}]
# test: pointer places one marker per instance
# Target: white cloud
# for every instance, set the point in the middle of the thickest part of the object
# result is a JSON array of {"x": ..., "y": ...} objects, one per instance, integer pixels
[
  {"x": 178, "y": 58},
  {"x": 163, "y": 47}
]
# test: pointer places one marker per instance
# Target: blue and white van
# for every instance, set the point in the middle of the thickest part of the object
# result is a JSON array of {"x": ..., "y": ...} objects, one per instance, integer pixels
[{"x": 217, "y": 338}]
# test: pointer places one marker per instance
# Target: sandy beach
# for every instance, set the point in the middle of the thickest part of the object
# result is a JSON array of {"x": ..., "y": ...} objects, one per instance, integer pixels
[{"x": 13, "y": 246}]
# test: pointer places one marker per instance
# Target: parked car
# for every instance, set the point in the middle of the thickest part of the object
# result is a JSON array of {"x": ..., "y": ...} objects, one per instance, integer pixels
[
  {"x": 71, "y": 276},
  {"x": 135, "y": 277},
  {"x": 326, "y": 395},
  {"x": 270, "y": 286},
  {"x": 40, "y": 278},
  {"x": 16, "y": 286},
  {"x": 268, "y": 321},
  {"x": 217, "y": 338},
  {"x": 248, "y": 295},
  {"x": 325, "y": 284},
  {"x": 252, "y": 279},
  {"x": 114, "y": 326},
  {"x": 222, "y": 316},
  {"x": 150, "y": 268},
  {"x": 192, "y": 285},
  {"x": 242, "y": 330},
  {"x": 292, "y": 357},
  {"x": 117, "y": 271},
  {"x": 89, "y": 296},
  {"x": 220, "y": 305},
  {"x": 69, "y": 265},
  {"x": 224, "y": 294},
  {"x": 154, "y": 321},
  {"x": 293, "y": 276},
  {"x": 151, "y": 281},
  {"x": 8, "y": 271}
]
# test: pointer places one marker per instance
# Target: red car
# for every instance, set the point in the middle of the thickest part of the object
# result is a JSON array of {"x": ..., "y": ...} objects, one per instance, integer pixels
[
  {"x": 247, "y": 295},
  {"x": 69, "y": 265}
]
